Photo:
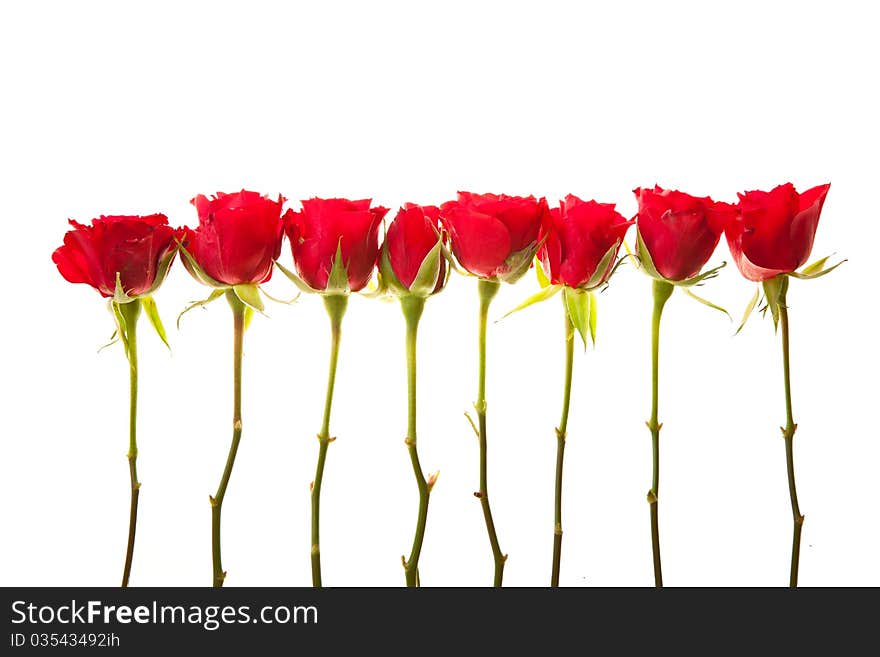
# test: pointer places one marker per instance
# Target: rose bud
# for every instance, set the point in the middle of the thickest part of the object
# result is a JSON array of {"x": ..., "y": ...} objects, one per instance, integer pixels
[
  {"x": 678, "y": 231},
  {"x": 581, "y": 241},
  {"x": 130, "y": 251},
  {"x": 335, "y": 243},
  {"x": 773, "y": 232},
  {"x": 494, "y": 236},
  {"x": 237, "y": 240},
  {"x": 411, "y": 259}
]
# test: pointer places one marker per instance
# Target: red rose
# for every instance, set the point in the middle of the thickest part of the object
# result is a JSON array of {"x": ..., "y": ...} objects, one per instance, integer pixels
[
  {"x": 680, "y": 231},
  {"x": 325, "y": 225},
  {"x": 138, "y": 249},
  {"x": 411, "y": 240},
  {"x": 577, "y": 240},
  {"x": 773, "y": 232},
  {"x": 238, "y": 238},
  {"x": 494, "y": 235}
]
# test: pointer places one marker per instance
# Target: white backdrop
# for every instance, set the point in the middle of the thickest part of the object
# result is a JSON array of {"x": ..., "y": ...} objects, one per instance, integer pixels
[{"x": 109, "y": 108}]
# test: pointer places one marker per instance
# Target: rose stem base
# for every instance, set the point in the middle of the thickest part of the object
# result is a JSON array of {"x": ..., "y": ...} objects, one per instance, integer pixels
[
  {"x": 130, "y": 313},
  {"x": 412, "y": 307},
  {"x": 560, "y": 448},
  {"x": 662, "y": 290},
  {"x": 487, "y": 291},
  {"x": 238, "y": 313},
  {"x": 335, "y": 304},
  {"x": 788, "y": 434}
]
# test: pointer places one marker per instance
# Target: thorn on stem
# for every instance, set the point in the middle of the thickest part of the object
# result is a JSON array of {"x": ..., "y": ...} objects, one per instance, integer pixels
[
  {"x": 478, "y": 494},
  {"x": 652, "y": 497},
  {"x": 432, "y": 479}
]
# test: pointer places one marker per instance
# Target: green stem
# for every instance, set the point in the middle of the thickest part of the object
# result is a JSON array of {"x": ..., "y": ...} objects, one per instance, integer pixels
[
  {"x": 335, "y": 305},
  {"x": 130, "y": 313},
  {"x": 662, "y": 290},
  {"x": 238, "y": 313},
  {"x": 412, "y": 307},
  {"x": 560, "y": 447},
  {"x": 788, "y": 434},
  {"x": 487, "y": 291}
]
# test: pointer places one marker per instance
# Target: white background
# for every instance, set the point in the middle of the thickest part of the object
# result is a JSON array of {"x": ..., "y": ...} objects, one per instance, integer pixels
[{"x": 112, "y": 108}]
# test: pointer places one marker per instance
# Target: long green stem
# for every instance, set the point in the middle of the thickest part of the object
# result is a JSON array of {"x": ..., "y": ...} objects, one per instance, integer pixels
[
  {"x": 412, "y": 309},
  {"x": 130, "y": 312},
  {"x": 335, "y": 305},
  {"x": 788, "y": 433},
  {"x": 662, "y": 290},
  {"x": 487, "y": 291},
  {"x": 238, "y": 313},
  {"x": 560, "y": 447}
]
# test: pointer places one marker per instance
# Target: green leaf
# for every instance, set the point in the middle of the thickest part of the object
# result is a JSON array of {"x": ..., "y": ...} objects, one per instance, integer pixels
[
  {"x": 805, "y": 276},
  {"x": 426, "y": 278},
  {"x": 296, "y": 280},
  {"x": 215, "y": 294},
  {"x": 706, "y": 302},
  {"x": 543, "y": 280},
  {"x": 598, "y": 276},
  {"x": 152, "y": 311},
  {"x": 196, "y": 270},
  {"x": 337, "y": 281},
  {"x": 577, "y": 303},
  {"x": 749, "y": 308},
  {"x": 701, "y": 278},
  {"x": 541, "y": 295},
  {"x": 249, "y": 295},
  {"x": 644, "y": 257}
]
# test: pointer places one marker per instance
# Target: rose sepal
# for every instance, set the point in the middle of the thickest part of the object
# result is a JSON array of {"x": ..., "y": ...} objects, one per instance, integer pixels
[
  {"x": 196, "y": 270},
  {"x": 144, "y": 301},
  {"x": 125, "y": 315},
  {"x": 337, "y": 281},
  {"x": 816, "y": 269},
  {"x": 518, "y": 263},
  {"x": 598, "y": 278},
  {"x": 580, "y": 304},
  {"x": 162, "y": 269},
  {"x": 775, "y": 290},
  {"x": 427, "y": 277},
  {"x": 388, "y": 281},
  {"x": 215, "y": 294},
  {"x": 646, "y": 263},
  {"x": 296, "y": 280}
]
